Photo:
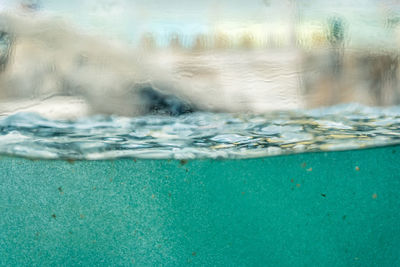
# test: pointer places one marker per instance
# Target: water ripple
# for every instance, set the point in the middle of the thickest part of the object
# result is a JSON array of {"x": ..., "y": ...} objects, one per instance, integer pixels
[{"x": 200, "y": 135}]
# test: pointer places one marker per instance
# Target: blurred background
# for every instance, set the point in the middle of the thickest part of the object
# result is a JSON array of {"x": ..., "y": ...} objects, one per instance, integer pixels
[{"x": 236, "y": 55}]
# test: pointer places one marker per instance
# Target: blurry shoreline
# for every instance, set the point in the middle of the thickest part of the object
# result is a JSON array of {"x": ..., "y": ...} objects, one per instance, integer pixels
[{"x": 217, "y": 73}]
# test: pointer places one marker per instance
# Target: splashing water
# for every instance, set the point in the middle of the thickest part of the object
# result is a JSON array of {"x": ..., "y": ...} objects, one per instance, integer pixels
[{"x": 200, "y": 135}]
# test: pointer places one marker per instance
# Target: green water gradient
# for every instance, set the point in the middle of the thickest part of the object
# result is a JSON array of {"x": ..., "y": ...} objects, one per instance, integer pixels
[{"x": 313, "y": 209}]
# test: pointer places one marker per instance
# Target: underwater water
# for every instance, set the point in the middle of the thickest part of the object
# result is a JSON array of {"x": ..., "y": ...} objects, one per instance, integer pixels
[{"x": 337, "y": 208}]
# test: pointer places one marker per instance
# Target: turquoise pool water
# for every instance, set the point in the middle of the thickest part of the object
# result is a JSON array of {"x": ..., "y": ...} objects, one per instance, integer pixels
[{"x": 312, "y": 209}]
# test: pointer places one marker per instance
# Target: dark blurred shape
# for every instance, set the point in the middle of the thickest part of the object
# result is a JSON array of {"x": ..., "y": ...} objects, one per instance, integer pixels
[
  {"x": 336, "y": 31},
  {"x": 5, "y": 49},
  {"x": 30, "y": 5},
  {"x": 156, "y": 102},
  {"x": 336, "y": 35}
]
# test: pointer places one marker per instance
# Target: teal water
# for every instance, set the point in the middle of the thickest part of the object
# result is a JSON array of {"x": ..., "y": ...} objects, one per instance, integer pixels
[{"x": 336, "y": 208}]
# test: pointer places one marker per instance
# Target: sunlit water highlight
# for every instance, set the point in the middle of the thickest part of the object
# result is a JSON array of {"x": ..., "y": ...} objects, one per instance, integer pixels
[{"x": 200, "y": 135}]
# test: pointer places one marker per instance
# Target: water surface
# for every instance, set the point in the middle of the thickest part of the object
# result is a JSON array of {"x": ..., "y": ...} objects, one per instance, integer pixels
[{"x": 200, "y": 135}]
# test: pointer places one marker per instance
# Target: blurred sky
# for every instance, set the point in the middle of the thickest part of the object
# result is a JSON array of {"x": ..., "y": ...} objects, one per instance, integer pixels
[{"x": 130, "y": 18}]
